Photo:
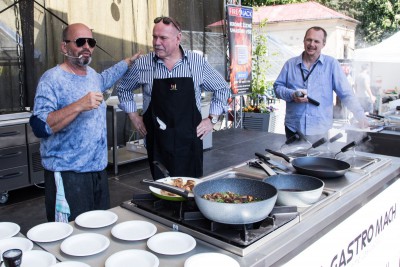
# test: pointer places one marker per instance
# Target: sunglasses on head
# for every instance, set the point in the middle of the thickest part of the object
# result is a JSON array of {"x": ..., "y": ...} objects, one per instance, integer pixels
[
  {"x": 168, "y": 20},
  {"x": 82, "y": 41}
]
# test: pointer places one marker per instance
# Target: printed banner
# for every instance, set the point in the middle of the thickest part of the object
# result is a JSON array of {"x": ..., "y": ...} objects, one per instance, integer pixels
[
  {"x": 368, "y": 237},
  {"x": 240, "y": 20}
]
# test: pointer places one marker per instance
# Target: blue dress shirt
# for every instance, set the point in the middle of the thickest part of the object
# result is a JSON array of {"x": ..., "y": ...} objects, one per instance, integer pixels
[{"x": 327, "y": 77}]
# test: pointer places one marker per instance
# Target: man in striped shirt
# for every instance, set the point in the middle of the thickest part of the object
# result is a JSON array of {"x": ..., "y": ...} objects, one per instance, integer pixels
[{"x": 172, "y": 80}]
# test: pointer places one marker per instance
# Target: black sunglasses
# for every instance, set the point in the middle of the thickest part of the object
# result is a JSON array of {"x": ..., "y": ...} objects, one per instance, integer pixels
[
  {"x": 168, "y": 20},
  {"x": 82, "y": 41}
]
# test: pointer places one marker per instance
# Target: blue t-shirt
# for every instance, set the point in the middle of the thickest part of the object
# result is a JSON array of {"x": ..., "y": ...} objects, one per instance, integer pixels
[{"x": 82, "y": 145}]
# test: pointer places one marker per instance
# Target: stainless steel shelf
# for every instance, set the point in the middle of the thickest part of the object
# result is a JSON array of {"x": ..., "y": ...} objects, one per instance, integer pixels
[
  {"x": 124, "y": 156},
  {"x": 117, "y": 155}
]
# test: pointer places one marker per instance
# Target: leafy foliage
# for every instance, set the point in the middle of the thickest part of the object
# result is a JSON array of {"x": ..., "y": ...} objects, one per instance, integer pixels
[
  {"x": 260, "y": 108},
  {"x": 261, "y": 88},
  {"x": 379, "y": 18},
  {"x": 260, "y": 62}
]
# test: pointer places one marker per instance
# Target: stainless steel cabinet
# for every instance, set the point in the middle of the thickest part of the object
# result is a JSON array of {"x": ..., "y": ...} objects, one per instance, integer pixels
[
  {"x": 20, "y": 162},
  {"x": 14, "y": 171},
  {"x": 36, "y": 171},
  {"x": 12, "y": 136}
]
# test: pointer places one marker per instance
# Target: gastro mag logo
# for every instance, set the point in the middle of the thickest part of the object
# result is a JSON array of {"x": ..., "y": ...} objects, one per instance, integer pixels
[{"x": 241, "y": 12}]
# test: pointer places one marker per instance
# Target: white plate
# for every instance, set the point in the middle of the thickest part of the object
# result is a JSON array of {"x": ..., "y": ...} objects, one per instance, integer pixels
[
  {"x": 84, "y": 244},
  {"x": 21, "y": 243},
  {"x": 132, "y": 257},
  {"x": 210, "y": 260},
  {"x": 49, "y": 232},
  {"x": 37, "y": 258},
  {"x": 8, "y": 229},
  {"x": 134, "y": 230},
  {"x": 70, "y": 264},
  {"x": 171, "y": 243},
  {"x": 96, "y": 218}
]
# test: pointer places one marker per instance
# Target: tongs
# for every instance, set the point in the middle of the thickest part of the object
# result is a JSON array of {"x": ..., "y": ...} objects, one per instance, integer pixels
[{"x": 269, "y": 161}]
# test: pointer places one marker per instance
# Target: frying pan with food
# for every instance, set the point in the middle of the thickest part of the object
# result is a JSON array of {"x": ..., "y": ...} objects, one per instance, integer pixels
[
  {"x": 158, "y": 192},
  {"x": 232, "y": 213}
]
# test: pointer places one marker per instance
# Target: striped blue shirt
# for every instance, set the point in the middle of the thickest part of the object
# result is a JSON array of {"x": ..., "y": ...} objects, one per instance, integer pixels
[{"x": 149, "y": 67}]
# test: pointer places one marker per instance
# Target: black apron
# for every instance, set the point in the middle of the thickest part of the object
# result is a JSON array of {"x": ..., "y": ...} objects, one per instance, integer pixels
[{"x": 177, "y": 147}]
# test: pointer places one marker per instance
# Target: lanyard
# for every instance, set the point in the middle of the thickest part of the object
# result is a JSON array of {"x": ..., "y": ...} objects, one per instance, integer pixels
[{"x": 308, "y": 75}]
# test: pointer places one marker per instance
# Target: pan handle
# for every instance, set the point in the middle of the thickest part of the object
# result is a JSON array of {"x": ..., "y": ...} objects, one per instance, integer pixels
[
  {"x": 292, "y": 139},
  {"x": 319, "y": 142},
  {"x": 356, "y": 143},
  {"x": 261, "y": 156},
  {"x": 170, "y": 188},
  {"x": 375, "y": 116},
  {"x": 266, "y": 168},
  {"x": 278, "y": 154},
  {"x": 335, "y": 137},
  {"x": 348, "y": 146},
  {"x": 302, "y": 136},
  {"x": 162, "y": 168},
  {"x": 363, "y": 140}
]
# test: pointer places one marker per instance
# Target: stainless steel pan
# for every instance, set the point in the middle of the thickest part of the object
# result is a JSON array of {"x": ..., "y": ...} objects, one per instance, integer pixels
[
  {"x": 294, "y": 189},
  {"x": 232, "y": 213}
]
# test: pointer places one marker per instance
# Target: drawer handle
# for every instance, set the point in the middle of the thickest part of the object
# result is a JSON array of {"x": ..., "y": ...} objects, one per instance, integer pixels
[
  {"x": 11, "y": 175},
  {"x": 9, "y": 133},
  {"x": 10, "y": 155}
]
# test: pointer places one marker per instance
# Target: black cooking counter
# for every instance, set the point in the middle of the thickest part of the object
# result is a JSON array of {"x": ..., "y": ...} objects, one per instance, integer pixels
[{"x": 287, "y": 231}]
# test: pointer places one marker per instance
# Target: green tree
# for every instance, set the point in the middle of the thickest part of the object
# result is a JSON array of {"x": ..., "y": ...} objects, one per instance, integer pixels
[{"x": 379, "y": 19}]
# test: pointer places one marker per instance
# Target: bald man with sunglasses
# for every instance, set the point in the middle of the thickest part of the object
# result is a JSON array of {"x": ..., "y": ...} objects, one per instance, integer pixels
[
  {"x": 172, "y": 80},
  {"x": 69, "y": 116}
]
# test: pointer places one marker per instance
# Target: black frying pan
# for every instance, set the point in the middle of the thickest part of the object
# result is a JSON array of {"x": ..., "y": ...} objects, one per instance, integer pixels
[{"x": 321, "y": 167}]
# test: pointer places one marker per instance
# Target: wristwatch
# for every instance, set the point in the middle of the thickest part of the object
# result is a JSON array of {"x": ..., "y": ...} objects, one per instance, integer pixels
[{"x": 213, "y": 120}]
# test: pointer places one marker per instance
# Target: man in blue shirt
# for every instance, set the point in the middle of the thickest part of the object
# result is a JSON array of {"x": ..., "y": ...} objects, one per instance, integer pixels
[
  {"x": 317, "y": 76},
  {"x": 69, "y": 116}
]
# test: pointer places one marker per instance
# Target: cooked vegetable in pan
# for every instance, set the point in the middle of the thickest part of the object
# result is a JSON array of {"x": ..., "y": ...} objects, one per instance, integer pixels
[{"x": 229, "y": 197}]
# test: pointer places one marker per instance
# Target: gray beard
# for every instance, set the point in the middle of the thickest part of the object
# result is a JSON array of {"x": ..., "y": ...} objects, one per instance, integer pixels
[{"x": 84, "y": 62}]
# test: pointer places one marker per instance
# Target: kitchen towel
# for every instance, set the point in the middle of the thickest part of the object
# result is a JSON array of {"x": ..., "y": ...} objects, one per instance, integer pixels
[{"x": 62, "y": 207}]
